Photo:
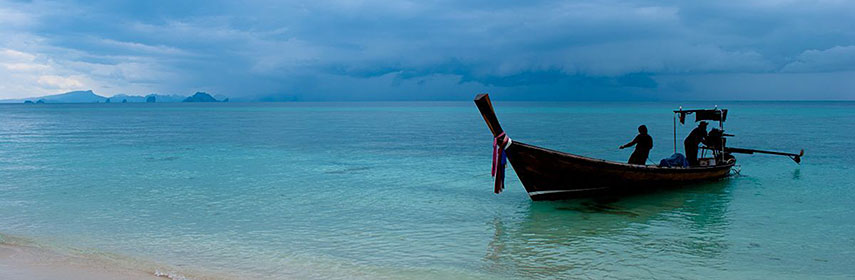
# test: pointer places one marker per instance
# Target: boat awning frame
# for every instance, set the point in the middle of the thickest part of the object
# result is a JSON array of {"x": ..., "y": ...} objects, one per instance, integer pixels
[
  {"x": 719, "y": 115},
  {"x": 716, "y": 114}
]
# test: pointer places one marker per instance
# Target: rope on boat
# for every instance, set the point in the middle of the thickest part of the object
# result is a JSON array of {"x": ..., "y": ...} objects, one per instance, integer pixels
[{"x": 500, "y": 160}]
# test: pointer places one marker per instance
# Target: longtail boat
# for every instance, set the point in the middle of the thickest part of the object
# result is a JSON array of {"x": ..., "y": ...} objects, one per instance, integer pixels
[{"x": 553, "y": 175}]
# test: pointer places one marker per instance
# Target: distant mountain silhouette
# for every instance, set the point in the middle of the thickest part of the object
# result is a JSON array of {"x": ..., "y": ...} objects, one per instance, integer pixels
[
  {"x": 140, "y": 99},
  {"x": 88, "y": 96},
  {"x": 84, "y": 96},
  {"x": 201, "y": 97}
]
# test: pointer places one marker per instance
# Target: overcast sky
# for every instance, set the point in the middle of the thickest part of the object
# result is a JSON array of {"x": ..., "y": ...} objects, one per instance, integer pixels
[{"x": 432, "y": 50}]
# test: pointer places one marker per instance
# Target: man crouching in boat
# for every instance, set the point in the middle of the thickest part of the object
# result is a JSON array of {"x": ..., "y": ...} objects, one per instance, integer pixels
[
  {"x": 697, "y": 136},
  {"x": 643, "y": 143}
]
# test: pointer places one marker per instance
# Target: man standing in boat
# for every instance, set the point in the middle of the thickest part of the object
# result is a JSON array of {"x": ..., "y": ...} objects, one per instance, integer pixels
[
  {"x": 695, "y": 137},
  {"x": 643, "y": 143}
]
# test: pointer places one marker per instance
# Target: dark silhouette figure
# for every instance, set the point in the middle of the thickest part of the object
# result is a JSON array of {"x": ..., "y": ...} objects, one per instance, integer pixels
[
  {"x": 643, "y": 143},
  {"x": 695, "y": 137}
]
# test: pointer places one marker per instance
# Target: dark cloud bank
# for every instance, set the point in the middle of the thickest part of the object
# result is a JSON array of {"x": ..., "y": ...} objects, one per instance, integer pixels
[{"x": 443, "y": 50}]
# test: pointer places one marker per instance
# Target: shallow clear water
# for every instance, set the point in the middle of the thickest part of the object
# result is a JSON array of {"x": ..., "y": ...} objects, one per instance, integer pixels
[{"x": 402, "y": 190}]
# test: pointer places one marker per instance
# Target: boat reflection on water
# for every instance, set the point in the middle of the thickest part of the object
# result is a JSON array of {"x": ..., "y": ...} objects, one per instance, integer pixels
[{"x": 656, "y": 234}]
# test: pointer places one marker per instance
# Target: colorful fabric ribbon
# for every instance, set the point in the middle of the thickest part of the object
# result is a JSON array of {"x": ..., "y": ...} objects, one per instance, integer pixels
[{"x": 500, "y": 160}]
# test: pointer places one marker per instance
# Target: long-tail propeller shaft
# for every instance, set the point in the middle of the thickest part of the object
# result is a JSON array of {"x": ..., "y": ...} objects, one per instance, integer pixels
[{"x": 795, "y": 157}]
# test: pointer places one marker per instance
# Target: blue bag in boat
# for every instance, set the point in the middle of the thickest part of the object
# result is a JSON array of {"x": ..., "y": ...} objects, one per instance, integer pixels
[{"x": 675, "y": 160}]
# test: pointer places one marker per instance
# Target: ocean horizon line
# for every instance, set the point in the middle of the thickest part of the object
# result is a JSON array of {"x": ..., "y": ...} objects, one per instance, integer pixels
[{"x": 463, "y": 100}]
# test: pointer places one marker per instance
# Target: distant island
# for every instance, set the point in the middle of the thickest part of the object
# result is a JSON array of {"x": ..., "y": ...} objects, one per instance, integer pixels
[
  {"x": 203, "y": 97},
  {"x": 88, "y": 96}
]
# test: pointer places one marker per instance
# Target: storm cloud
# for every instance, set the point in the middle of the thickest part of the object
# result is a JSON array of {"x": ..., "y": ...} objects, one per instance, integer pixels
[{"x": 432, "y": 50}]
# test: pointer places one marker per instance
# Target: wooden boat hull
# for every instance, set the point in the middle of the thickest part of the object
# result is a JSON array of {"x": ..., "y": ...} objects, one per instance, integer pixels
[{"x": 553, "y": 175}]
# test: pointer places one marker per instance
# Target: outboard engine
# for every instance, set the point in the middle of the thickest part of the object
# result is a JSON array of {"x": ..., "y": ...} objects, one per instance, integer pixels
[{"x": 715, "y": 139}]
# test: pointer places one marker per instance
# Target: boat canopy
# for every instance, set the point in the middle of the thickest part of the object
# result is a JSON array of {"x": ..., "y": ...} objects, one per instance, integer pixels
[{"x": 703, "y": 114}]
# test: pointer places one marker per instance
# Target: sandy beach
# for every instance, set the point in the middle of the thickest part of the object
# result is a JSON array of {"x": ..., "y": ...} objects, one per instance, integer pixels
[
  {"x": 24, "y": 259},
  {"x": 25, "y": 262}
]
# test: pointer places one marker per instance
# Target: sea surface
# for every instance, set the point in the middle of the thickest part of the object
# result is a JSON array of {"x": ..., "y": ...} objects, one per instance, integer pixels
[{"x": 403, "y": 190}]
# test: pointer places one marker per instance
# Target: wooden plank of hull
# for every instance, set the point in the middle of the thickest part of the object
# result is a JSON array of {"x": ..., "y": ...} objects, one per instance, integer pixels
[{"x": 552, "y": 175}]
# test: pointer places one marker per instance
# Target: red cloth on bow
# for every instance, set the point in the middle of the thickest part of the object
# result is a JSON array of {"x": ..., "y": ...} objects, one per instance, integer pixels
[{"x": 500, "y": 159}]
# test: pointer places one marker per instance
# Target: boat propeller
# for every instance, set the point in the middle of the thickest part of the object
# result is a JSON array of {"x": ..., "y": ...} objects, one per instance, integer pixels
[{"x": 798, "y": 158}]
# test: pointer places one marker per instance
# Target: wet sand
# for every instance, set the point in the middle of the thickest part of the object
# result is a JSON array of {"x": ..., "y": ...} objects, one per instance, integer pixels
[{"x": 25, "y": 262}]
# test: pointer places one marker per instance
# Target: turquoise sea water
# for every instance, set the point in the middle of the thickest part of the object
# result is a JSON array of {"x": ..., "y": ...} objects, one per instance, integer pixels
[{"x": 403, "y": 190}]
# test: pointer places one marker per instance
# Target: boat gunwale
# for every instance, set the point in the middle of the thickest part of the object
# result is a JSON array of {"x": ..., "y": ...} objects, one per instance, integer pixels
[{"x": 625, "y": 165}]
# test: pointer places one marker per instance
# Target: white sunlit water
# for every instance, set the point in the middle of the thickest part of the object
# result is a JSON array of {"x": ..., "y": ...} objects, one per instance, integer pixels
[{"x": 402, "y": 190}]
